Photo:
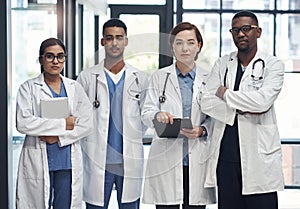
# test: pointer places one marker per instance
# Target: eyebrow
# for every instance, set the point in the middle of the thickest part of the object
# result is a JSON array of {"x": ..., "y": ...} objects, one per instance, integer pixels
[
  {"x": 191, "y": 39},
  {"x": 54, "y": 53},
  {"x": 109, "y": 35}
]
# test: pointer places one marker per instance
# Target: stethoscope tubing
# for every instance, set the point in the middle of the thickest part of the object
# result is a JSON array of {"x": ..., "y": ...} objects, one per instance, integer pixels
[
  {"x": 96, "y": 102},
  {"x": 252, "y": 75}
]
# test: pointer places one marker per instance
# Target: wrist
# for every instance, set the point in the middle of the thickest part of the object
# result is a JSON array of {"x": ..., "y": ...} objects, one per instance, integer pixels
[{"x": 204, "y": 131}]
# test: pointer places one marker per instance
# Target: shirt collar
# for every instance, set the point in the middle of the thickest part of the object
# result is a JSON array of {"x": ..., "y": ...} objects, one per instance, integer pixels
[{"x": 192, "y": 73}]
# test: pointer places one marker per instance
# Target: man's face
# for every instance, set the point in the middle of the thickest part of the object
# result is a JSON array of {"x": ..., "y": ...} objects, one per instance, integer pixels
[
  {"x": 245, "y": 40},
  {"x": 114, "y": 42}
]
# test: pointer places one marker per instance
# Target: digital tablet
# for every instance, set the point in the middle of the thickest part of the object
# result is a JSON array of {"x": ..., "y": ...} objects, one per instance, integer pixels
[
  {"x": 55, "y": 107},
  {"x": 167, "y": 130}
]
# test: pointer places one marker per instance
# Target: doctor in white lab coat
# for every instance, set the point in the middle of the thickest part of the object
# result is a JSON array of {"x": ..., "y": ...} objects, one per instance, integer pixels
[
  {"x": 173, "y": 176},
  {"x": 33, "y": 181},
  {"x": 247, "y": 160},
  {"x": 95, "y": 145},
  {"x": 105, "y": 165}
]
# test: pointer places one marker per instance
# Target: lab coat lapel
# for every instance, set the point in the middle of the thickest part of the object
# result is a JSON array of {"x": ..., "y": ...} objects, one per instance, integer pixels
[
  {"x": 174, "y": 80},
  {"x": 130, "y": 78},
  {"x": 40, "y": 81},
  {"x": 232, "y": 68}
]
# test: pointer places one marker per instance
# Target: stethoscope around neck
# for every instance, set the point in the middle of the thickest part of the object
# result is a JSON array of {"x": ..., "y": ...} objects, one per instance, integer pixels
[
  {"x": 162, "y": 98},
  {"x": 255, "y": 78},
  {"x": 96, "y": 102}
]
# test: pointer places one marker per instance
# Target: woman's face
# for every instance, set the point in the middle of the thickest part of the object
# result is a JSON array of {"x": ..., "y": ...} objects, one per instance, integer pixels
[
  {"x": 186, "y": 46},
  {"x": 53, "y": 60}
]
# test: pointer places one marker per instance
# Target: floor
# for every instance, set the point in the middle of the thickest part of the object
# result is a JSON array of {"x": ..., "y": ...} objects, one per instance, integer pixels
[{"x": 288, "y": 199}]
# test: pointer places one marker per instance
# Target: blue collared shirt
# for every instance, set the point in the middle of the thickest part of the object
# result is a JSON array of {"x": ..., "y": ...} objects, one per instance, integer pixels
[{"x": 186, "y": 83}]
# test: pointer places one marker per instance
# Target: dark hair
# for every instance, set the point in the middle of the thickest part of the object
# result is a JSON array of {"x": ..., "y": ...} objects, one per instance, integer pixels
[
  {"x": 246, "y": 14},
  {"x": 50, "y": 42},
  {"x": 185, "y": 26},
  {"x": 114, "y": 22}
]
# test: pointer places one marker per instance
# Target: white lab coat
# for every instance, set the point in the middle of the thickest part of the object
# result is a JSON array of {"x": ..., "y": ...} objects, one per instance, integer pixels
[
  {"x": 94, "y": 147},
  {"x": 33, "y": 175},
  {"x": 260, "y": 147},
  {"x": 164, "y": 173}
]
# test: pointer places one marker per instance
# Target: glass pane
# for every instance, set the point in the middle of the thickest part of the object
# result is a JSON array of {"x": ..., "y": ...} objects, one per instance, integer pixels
[
  {"x": 46, "y": 1},
  {"x": 291, "y": 164},
  {"x": 209, "y": 25},
  {"x": 287, "y": 107},
  {"x": 249, "y": 5},
  {"x": 88, "y": 38},
  {"x": 227, "y": 42},
  {"x": 201, "y": 4},
  {"x": 152, "y": 2},
  {"x": 288, "y": 4},
  {"x": 287, "y": 40},
  {"x": 143, "y": 41},
  {"x": 265, "y": 42}
]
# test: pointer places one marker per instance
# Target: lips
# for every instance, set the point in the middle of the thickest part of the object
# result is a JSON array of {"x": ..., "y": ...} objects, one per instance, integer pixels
[
  {"x": 114, "y": 49},
  {"x": 55, "y": 68},
  {"x": 243, "y": 41}
]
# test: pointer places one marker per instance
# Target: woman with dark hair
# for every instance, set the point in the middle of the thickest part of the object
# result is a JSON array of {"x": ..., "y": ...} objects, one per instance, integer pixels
[
  {"x": 50, "y": 164},
  {"x": 176, "y": 167}
]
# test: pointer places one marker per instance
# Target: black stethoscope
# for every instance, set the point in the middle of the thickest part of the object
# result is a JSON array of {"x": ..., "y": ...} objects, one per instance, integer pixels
[
  {"x": 96, "y": 102},
  {"x": 262, "y": 70},
  {"x": 255, "y": 78},
  {"x": 162, "y": 98}
]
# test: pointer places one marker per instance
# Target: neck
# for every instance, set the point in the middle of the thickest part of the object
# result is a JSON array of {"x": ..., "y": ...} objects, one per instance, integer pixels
[
  {"x": 51, "y": 79},
  {"x": 184, "y": 68},
  {"x": 114, "y": 66},
  {"x": 245, "y": 57}
]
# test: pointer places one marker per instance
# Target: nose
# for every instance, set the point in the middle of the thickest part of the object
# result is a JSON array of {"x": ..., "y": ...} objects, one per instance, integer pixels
[
  {"x": 114, "y": 41},
  {"x": 55, "y": 59},
  {"x": 184, "y": 46},
  {"x": 240, "y": 33}
]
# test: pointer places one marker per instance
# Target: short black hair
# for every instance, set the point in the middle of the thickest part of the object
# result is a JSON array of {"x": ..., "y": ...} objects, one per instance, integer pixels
[
  {"x": 246, "y": 14},
  {"x": 114, "y": 22}
]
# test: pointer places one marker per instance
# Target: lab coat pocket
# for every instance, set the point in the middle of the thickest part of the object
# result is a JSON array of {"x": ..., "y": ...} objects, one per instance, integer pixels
[
  {"x": 268, "y": 139},
  {"x": 132, "y": 106},
  {"x": 202, "y": 149},
  {"x": 164, "y": 155},
  {"x": 31, "y": 163},
  {"x": 254, "y": 84}
]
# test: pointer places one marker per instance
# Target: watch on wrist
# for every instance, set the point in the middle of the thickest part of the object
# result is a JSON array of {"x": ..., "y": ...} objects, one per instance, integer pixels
[{"x": 204, "y": 132}]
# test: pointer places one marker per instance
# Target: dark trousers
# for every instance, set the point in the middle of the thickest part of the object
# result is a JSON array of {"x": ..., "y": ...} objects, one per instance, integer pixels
[
  {"x": 229, "y": 178},
  {"x": 60, "y": 189},
  {"x": 185, "y": 195},
  {"x": 114, "y": 175}
]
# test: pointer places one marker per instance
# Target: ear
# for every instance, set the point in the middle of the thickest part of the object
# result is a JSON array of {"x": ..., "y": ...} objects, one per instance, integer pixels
[
  {"x": 199, "y": 46},
  {"x": 41, "y": 61},
  {"x": 102, "y": 42},
  {"x": 126, "y": 41},
  {"x": 259, "y": 31}
]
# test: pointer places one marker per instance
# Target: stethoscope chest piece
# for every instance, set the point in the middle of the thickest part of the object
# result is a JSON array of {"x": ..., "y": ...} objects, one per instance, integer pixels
[
  {"x": 96, "y": 103},
  {"x": 162, "y": 99}
]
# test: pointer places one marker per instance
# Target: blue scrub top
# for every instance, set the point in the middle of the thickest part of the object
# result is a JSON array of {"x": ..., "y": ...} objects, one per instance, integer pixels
[{"x": 59, "y": 158}]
